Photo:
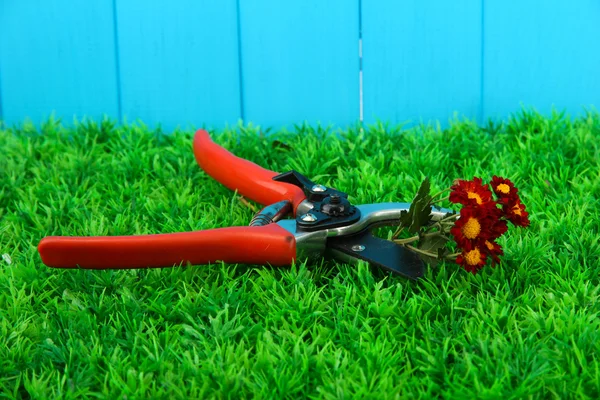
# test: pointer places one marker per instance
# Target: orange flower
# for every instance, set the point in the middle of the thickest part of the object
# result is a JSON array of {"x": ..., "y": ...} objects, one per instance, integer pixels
[
  {"x": 472, "y": 260},
  {"x": 471, "y": 192}
]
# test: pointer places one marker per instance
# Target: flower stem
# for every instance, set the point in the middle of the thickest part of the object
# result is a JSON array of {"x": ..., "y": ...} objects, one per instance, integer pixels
[
  {"x": 447, "y": 225},
  {"x": 439, "y": 194},
  {"x": 432, "y": 234},
  {"x": 407, "y": 240},
  {"x": 427, "y": 253},
  {"x": 440, "y": 200},
  {"x": 449, "y": 218},
  {"x": 397, "y": 232}
]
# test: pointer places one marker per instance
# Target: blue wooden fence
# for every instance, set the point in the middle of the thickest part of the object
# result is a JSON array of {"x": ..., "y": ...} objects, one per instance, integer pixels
[{"x": 274, "y": 63}]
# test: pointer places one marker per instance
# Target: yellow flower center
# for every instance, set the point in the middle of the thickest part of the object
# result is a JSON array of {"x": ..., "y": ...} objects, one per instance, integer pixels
[
  {"x": 472, "y": 228},
  {"x": 473, "y": 257},
  {"x": 517, "y": 210},
  {"x": 489, "y": 245},
  {"x": 472, "y": 195},
  {"x": 503, "y": 188}
]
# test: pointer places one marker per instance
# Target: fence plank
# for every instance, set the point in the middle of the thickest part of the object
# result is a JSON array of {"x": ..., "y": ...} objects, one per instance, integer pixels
[
  {"x": 300, "y": 62},
  {"x": 541, "y": 56},
  {"x": 422, "y": 60},
  {"x": 57, "y": 56},
  {"x": 179, "y": 62}
]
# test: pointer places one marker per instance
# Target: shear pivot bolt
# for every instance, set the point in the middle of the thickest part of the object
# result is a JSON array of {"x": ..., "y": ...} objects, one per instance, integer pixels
[
  {"x": 308, "y": 217},
  {"x": 358, "y": 247},
  {"x": 319, "y": 188}
]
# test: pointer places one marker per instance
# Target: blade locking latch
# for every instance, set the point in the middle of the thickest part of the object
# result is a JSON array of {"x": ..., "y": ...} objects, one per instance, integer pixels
[{"x": 331, "y": 207}]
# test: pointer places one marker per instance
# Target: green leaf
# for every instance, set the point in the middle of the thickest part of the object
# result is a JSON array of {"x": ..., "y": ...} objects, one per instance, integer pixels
[
  {"x": 433, "y": 244},
  {"x": 406, "y": 217},
  {"x": 419, "y": 212},
  {"x": 424, "y": 191},
  {"x": 442, "y": 252},
  {"x": 445, "y": 229}
]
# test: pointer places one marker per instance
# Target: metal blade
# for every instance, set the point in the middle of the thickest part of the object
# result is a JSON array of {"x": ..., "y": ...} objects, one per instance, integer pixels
[{"x": 376, "y": 251}]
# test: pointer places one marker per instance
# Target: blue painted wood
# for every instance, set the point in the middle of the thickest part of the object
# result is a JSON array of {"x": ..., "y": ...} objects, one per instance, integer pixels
[
  {"x": 421, "y": 60},
  {"x": 1, "y": 111},
  {"x": 541, "y": 55},
  {"x": 300, "y": 62},
  {"x": 179, "y": 62},
  {"x": 57, "y": 56}
]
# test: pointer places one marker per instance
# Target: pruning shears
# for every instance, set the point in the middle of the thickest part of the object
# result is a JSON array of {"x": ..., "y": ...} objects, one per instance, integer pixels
[{"x": 323, "y": 223}]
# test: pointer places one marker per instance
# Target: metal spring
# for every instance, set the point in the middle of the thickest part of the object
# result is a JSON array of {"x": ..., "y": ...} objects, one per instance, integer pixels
[{"x": 271, "y": 213}]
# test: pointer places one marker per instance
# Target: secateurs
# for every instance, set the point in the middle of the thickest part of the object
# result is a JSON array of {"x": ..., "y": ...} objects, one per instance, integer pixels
[{"x": 324, "y": 224}]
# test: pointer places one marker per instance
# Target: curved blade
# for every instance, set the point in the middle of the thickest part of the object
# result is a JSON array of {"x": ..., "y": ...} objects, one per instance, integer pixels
[{"x": 376, "y": 251}]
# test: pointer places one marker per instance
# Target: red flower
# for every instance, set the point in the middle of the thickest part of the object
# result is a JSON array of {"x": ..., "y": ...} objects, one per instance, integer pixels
[
  {"x": 515, "y": 213},
  {"x": 494, "y": 250},
  {"x": 472, "y": 260},
  {"x": 504, "y": 189},
  {"x": 499, "y": 227},
  {"x": 483, "y": 219},
  {"x": 473, "y": 227},
  {"x": 470, "y": 193}
]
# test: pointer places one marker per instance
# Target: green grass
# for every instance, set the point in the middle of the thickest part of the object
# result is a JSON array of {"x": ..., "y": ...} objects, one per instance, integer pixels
[{"x": 527, "y": 329}]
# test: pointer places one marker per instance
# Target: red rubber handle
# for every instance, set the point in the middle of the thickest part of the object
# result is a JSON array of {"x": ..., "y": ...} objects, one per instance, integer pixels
[
  {"x": 269, "y": 244},
  {"x": 250, "y": 180}
]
